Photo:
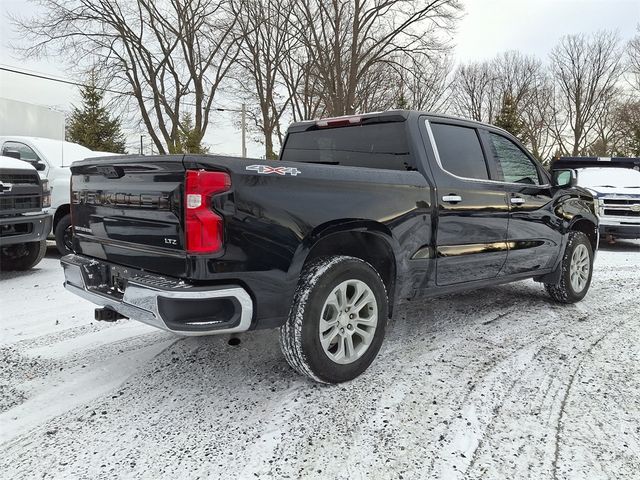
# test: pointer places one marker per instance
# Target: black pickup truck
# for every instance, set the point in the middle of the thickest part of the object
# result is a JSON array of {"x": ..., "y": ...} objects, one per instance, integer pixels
[{"x": 359, "y": 213}]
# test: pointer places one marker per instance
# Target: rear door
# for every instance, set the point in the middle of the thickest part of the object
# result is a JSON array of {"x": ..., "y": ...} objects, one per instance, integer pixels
[
  {"x": 472, "y": 215},
  {"x": 533, "y": 233}
]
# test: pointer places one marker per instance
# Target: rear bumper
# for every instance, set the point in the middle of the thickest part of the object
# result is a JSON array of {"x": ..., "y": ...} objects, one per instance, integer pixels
[
  {"x": 24, "y": 228},
  {"x": 163, "y": 302}
]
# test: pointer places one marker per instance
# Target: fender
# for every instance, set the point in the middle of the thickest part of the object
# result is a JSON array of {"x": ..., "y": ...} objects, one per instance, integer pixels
[{"x": 326, "y": 231}]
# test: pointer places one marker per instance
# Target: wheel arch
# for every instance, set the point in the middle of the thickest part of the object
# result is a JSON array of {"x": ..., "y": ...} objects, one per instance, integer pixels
[
  {"x": 587, "y": 226},
  {"x": 61, "y": 211},
  {"x": 366, "y": 240}
]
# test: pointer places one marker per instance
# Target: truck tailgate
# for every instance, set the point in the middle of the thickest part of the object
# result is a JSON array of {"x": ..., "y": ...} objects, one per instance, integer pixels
[{"x": 129, "y": 211}]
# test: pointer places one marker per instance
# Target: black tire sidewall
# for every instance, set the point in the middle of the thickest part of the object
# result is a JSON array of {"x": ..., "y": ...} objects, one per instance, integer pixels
[
  {"x": 61, "y": 227},
  {"x": 577, "y": 238},
  {"x": 35, "y": 253},
  {"x": 322, "y": 366}
]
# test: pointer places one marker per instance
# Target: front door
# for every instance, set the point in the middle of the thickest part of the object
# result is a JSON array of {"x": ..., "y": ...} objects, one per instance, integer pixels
[
  {"x": 533, "y": 233},
  {"x": 472, "y": 216}
]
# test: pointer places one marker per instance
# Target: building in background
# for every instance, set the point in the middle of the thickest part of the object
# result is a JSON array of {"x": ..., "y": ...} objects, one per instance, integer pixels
[{"x": 26, "y": 119}]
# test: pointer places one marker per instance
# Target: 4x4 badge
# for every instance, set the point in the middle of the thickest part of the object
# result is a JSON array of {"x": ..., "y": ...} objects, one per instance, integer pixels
[{"x": 267, "y": 169}]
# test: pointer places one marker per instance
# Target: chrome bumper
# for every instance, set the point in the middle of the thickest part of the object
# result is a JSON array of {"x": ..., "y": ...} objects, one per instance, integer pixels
[{"x": 162, "y": 302}]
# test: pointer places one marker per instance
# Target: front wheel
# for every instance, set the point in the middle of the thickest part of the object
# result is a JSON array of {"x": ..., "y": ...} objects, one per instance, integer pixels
[
  {"x": 22, "y": 256},
  {"x": 64, "y": 235},
  {"x": 337, "y": 321},
  {"x": 576, "y": 270}
]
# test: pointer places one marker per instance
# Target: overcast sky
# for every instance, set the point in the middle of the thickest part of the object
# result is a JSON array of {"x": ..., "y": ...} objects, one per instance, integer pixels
[{"x": 487, "y": 28}]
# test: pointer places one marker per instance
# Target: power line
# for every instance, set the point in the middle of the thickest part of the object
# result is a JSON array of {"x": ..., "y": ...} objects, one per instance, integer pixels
[
  {"x": 59, "y": 80},
  {"x": 43, "y": 76}
]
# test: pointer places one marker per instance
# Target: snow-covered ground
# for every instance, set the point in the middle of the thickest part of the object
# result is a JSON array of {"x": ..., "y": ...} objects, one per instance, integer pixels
[{"x": 497, "y": 383}]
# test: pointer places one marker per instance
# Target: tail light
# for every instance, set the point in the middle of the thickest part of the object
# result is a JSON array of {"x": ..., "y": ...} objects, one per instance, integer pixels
[
  {"x": 204, "y": 228},
  {"x": 339, "y": 122}
]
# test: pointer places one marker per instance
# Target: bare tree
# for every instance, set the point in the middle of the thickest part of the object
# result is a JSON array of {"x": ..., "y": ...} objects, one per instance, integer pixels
[
  {"x": 263, "y": 26},
  {"x": 537, "y": 115},
  {"x": 345, "y": 41},
  {"x": 585, "y": 71},
  {"x": 482, "y": 87},
  {"x": 634, "y": 61},
  {"x": 473, "y": 92},
  {"x": 303, "y": 87},
  {"x": 425, "y": 83},
  {"x": 515, "y": 76},
  {"x": 164, "y": 55}
]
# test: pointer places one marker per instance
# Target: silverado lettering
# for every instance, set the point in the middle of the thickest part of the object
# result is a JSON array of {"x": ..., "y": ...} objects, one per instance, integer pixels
[{"x": 120, "y": 199}]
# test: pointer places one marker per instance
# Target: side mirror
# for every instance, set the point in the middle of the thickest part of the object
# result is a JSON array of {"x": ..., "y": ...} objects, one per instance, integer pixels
[
  {"x": 565, "y": 178},
  {"x": 12, "y": 154},
  {"x": 39, "y": 166}
]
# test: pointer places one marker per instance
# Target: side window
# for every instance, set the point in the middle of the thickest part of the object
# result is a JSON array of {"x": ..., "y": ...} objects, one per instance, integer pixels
[
  {"x": 26, "y": 153},
  {"x": 516, "y": 167},
  {"x": 460, "y": 151}
]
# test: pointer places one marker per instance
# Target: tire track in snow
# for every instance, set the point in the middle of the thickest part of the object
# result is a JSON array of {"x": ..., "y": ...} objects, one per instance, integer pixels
[{"x": 79, "y": 387}]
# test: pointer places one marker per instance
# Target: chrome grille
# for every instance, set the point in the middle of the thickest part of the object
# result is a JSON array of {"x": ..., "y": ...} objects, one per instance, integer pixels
[
  {"x": 14, "y": 178},
  {"x": 621, "y": 207}
]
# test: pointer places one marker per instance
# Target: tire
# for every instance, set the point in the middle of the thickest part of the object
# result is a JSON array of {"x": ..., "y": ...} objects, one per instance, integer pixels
[
  {"x": 566, "y": 290},
  {"x": 22, "y": 256},
  {"x": 318, "y": 295},
  {"x": 63, "y": 235}
]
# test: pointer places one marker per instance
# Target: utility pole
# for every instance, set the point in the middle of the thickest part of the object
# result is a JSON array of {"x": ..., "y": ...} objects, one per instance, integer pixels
[
  {"x": 244, "y": 130},
  {"x": 141, "y": 137}
]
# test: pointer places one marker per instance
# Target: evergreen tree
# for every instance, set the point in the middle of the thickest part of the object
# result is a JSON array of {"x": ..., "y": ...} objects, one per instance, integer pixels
[
  {"x": 188, "y": 138},
  {"x": 402, "y": 103},
  {"x": 92, "y": 125},
  {"x": 509, "y": 119}
]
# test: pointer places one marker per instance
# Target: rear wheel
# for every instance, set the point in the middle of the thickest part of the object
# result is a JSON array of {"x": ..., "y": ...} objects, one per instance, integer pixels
[
  {"x": 337, "y": 321},
  {"x": 576, "y": 270},
  {"x": 64, "y": 235},
  {"x": 22, "y": 256}
]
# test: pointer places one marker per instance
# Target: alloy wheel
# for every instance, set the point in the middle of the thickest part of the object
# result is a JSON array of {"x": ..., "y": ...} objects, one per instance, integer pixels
[
  {"x": 348, "y": 321},
  {"x": 579, "y": 269}
]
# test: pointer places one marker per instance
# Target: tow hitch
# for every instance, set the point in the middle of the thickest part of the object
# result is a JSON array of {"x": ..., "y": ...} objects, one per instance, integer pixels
[{"x": 107, "y": 314}]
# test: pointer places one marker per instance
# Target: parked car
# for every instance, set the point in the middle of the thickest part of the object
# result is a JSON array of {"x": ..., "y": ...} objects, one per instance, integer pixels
[
  {"x": 615, "y": 184},
  {"x": 52, "y": 159},
  {"x": 23, "y": 224},
  {"x": 359, "y": 213}
]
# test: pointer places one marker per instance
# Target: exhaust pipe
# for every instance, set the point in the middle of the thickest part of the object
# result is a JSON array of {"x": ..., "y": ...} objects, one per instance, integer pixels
[{"x": 107, "y": 314}]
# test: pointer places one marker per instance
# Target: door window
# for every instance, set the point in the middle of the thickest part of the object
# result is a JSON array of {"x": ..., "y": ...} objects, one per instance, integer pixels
[
  {"x": 26, "y": 153},
  {"x": 514, "y": 165},
  {"x": 460, "y": 151}
]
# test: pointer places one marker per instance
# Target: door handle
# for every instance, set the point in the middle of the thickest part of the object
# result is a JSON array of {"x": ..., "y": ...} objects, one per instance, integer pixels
[
  {"x": 517, "y": 200},
  {"x": 451, "y": 198}
]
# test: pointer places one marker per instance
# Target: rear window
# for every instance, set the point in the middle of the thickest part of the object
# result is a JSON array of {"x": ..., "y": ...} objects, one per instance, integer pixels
[
  {"x": 460, "y": 151},
  {"x": 378, "y": 145}
]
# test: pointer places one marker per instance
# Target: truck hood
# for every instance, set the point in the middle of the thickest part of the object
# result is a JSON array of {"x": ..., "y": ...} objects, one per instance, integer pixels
[
  {"x": 15, "y": 164},
  {"x": 611, "y": 191}
]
